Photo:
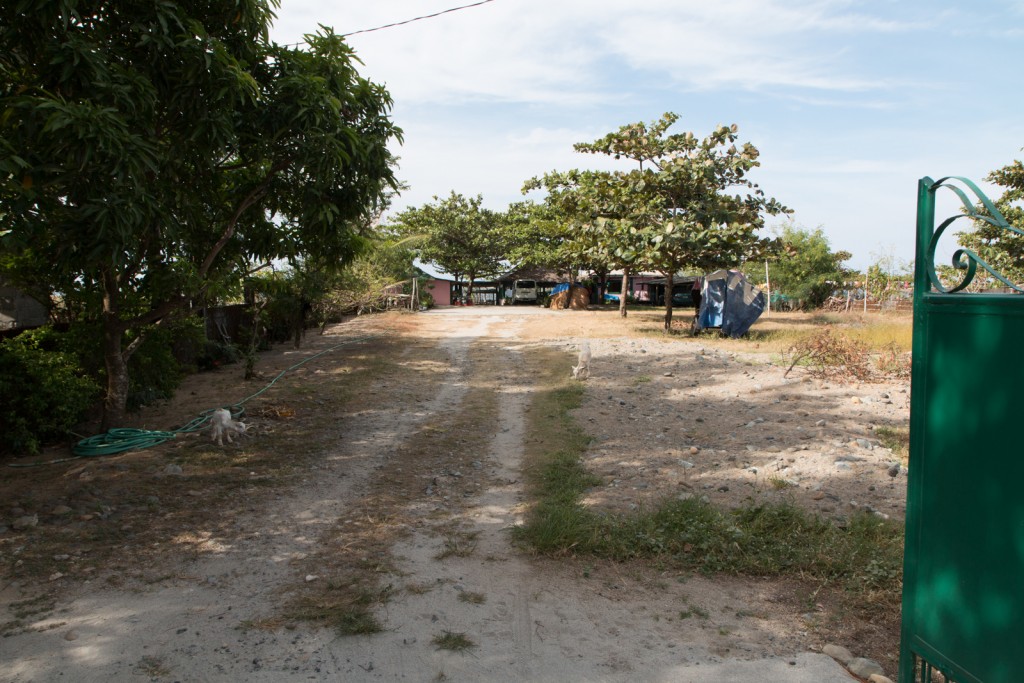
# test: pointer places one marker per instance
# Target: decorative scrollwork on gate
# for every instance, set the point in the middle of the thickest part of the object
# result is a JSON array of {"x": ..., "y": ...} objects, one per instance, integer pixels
[{"x": 963, "y": 258}]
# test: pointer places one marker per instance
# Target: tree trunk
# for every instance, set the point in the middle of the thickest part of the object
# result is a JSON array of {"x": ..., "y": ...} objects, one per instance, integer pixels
[
  {"x": 623, "y": 292},
  {"x": 115, "y": 403},
  {"x": 669, "y": 284}
]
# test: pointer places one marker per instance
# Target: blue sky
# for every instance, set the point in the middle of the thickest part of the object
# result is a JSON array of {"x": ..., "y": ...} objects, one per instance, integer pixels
[{"x": 850, "y": 103}]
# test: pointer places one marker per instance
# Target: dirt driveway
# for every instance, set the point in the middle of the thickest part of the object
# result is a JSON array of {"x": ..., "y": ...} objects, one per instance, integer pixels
[{"x": 402, "y": 482}]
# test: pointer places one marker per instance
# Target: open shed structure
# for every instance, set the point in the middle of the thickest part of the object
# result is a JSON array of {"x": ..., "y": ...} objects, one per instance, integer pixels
[
  {"x": 19, "y": 311},
  {"x": 546, "y": 281},
  {"x": 682, "y": 286}
]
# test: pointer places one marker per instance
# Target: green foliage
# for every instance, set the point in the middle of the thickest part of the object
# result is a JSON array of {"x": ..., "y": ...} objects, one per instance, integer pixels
[
  {"x": 1001, "y": 248},
  {"x": 43, "y": 391},
  {"x": 864, "y": 554},
  {"x": 546, "y": 236},
  {"x": 215, "y": 355},
  {"x": 154, "y": 369},
  {"x": 681, "y": 190},
  {"x": 808, "y": 270},
  {"x": 683, "y": 207},
  {"x": 458, "y": 235},
  {"x": 149, "y": 153},
  {"x": 364, "y": 284}
]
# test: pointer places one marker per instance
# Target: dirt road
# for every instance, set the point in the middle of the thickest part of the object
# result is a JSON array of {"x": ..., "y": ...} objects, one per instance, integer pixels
[{"x": 454, "y": 571}]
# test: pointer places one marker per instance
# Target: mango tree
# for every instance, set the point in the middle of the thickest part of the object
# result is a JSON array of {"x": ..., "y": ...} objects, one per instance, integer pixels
[{"x": 150, "y": 151}]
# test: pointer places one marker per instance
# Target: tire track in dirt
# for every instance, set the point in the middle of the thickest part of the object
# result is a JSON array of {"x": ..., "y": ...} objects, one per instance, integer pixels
[
  {"x": 530, "y": 619},
  {"x": 540, "y": 619},
  {"x": 187, "y": 628}
]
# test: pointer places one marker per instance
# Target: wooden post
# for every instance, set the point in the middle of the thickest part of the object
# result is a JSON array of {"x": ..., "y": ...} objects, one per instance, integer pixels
[
  {"x": 866, "y": 276},
  {"x": 768, "y": 286}
]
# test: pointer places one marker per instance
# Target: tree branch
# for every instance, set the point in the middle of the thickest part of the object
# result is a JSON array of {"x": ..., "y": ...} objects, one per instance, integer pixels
[{"x": 251, "y": 199}]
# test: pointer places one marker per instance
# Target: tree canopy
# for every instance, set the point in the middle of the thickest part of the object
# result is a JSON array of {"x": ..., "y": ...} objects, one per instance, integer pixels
[
  {"x": 676, "y": 209},
  {"x": 149, "y": 151},
  {"x": 1002, "y": 249},
  {"x": 458, "y": 235},
  {"x": 808, "y": 271}
]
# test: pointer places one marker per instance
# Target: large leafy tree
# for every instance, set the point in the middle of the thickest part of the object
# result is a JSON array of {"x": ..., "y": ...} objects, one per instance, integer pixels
[
  {"x": 608, "y": 220},
  {"x": 149, "y": 151},
  {"x": 1001, "y": 248},
  {"x": 808, "y": 270},
  {"x": 538, "y": 236},
  {"x": 691, "y": 196},
  {"x": 458, "y": 235}
]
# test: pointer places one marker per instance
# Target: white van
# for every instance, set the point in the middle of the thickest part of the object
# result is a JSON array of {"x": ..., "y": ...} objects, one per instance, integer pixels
[{"x": 524, "y": 291}]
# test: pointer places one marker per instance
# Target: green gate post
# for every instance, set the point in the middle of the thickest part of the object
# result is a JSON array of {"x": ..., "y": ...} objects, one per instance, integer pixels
[{"x": 963, "y": 577}]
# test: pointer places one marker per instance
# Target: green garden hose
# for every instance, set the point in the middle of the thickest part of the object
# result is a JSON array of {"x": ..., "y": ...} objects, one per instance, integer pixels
[{"x": 122, "y": 439}]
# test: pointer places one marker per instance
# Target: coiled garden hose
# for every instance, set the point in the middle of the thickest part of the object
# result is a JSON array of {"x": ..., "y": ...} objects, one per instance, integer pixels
[{"x": 121, "y": 439}]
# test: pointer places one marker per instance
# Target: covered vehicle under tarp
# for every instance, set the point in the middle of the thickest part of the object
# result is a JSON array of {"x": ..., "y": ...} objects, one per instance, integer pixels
[{"x": 728, "y": 301}]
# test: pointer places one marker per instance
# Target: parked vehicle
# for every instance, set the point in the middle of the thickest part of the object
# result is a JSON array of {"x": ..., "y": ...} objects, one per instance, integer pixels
[{"x": 524, "y": 291}]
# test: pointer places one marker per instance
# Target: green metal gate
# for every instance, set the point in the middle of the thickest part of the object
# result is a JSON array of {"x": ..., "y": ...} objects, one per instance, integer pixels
[{"x": 963, "y": 590}]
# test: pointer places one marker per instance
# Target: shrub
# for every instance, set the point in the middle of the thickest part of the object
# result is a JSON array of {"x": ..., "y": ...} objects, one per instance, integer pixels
[
  {"x": 216, "y": 354},
  {"x": 154, "y": 370},
  {"x": 831, "y": 355},
  {"x": 44, "y": 391},
  {"x": 894, "y": 362}
]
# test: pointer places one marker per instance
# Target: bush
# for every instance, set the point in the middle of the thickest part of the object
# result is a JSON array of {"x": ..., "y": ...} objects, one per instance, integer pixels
[
  {"x": 154, "y": 370},
  {"x": 44, "y": 391},
  {"x": 829, "y": 355},
  {"x": 216, "y": 354}
]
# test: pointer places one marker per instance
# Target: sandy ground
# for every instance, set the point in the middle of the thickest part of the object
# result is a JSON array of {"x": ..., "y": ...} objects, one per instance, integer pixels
[{"x": 668, "y": 419}]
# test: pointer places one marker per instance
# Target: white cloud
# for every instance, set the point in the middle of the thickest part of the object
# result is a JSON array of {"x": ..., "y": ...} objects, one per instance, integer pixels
[
  {"x": 850, "y": 102},
  {"x": 544, "y": 52}
]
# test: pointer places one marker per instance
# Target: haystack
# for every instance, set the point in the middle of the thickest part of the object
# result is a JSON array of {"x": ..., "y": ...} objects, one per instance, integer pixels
[{"x": 577, "y": 298}]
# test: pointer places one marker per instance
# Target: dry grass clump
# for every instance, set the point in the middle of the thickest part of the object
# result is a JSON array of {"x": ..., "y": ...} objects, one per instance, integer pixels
[
  {"x": 894, "y": 362},
  {"x": 830, "y": 355}
]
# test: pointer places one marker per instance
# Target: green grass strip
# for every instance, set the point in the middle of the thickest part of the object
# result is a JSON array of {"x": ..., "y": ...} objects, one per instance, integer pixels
[{"x": 758, "y": 539}]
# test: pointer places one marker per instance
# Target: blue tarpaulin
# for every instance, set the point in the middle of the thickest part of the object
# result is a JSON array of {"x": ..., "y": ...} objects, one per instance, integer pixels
[{"x": 730, "y": 302}]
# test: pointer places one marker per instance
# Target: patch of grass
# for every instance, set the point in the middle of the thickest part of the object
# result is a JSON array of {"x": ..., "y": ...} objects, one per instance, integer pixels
[
  {"x": 456, "y": 642},
  {"x": 472, "y": 598},
  {"x": 773, "y": 539},
  {"x": 778, "y": 483},
  {"x": 694, "y": 611},
  {"x": 151, "y": 666},
  {"x": 828, "y": 354},
  {"x": 458, "y": 544},
  {"x": 896, "y": 439},
  {"x": 775, "y": 340},
  {"x": 357, "y": 623},
  {"x": 642, "y": 379},
  {"x": 879, "y": 335},
  {"x": 346, "y": 608},
  {"x": 419, "y": 588}
]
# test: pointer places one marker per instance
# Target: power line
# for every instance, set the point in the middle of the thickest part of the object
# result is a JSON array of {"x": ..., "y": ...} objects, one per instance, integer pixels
[
  {"x": 403, "y": 23},
  {"x": 409, "y": 21}
]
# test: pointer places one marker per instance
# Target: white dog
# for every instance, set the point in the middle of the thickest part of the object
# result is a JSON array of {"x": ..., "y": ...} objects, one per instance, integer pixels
[
  {"x": 223, "y": 426},
  {"x": 582, "y": 369}
]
